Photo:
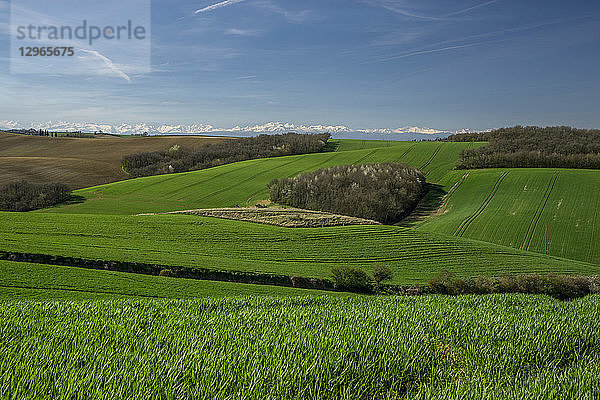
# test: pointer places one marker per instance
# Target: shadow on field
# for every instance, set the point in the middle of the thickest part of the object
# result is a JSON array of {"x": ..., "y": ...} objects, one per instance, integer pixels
[
  {"x": 74, "y": 199},
  {"x": 430, "y": 203}
]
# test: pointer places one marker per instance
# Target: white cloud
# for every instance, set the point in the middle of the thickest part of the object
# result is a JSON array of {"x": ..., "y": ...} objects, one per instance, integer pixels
[
  {"x": 217, "y": 5},
  {"x": 242, "y": 32}
]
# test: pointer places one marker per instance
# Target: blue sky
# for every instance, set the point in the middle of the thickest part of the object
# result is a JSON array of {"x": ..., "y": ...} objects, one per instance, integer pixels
[{"x": 358, "y": 63}]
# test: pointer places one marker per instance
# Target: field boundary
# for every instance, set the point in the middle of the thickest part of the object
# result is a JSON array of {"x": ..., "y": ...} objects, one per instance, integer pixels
[
  {"x": 205, "y": 274},
  {"x": 174, "y": 271},
  {"x": 460, "y": 231},
  {"x": 560, "y": 287}
]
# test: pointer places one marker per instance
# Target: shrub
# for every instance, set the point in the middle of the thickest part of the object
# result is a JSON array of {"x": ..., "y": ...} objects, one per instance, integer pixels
[
  {"x": 25, "y": 196},
  {"x": 382, "y": 272},
  {"x": 563, "y": 287},
  {"x": 442, "y": 283},
  {"x": 348, "y": 278},
  {"x": 167, "y": 272},
  {"x": 384, "y": 192}
]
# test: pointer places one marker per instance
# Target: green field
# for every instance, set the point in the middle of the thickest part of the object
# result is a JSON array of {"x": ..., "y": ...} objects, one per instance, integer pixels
[
  {"x": 68, "y": 332},
  {"x": 486, "y": 205},
  {"x": 549, "y": 211},
  {"x": 470, "y": 347},
  {"x": 246, "y": 182},
  {"x": 193, "y": 241},
  {"x": 51, "y": 282}
]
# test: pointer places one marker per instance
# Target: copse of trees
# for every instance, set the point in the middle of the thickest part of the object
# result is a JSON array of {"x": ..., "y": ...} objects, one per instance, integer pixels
[
  {"x": 25, "y": 196},
  {"x": 532, "y": 147},
  {"x": 385, "y": 192},
  {"x": 178, "y": 159}
]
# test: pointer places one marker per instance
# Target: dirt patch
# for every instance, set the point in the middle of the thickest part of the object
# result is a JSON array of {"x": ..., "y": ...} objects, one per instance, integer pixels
[
  {"x": 79, "y": 162},
  {"x": 285, "y": 217}
]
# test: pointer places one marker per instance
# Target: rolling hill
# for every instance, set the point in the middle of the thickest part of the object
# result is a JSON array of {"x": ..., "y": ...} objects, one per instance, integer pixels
[
  {"x": 245, "y": 182},
  {"x": 549, "y": 211},
  {"x": 78, "y": 162},
  {"x": 526, "y": 212},
  {"x": 203, "y": 242}
]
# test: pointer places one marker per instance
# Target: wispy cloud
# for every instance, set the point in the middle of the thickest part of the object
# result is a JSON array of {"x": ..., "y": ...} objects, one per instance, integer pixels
[
  {"x": 393, "y": 6},
  {"x": 109, "y": 64},
  {"x": 485, "y": 38},
  {"x": 217, "y": 5},
  {"x": 242, "y": 32},
  {"x": 436, "y": 50},
  {"x": 292, "y": 16}
]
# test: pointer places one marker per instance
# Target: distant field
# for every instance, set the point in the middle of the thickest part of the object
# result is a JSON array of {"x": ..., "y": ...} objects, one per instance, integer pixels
[
  {"x": 78, "y": 162},
  {"x": 550, "y": 211},
  {"x": 245, "y": 182},
  {"x": 193, "y": 241},
  {"x": 359, "y": 144},
  {"x": 50, "y": 282},
  {"x": 469, "y": 347}
]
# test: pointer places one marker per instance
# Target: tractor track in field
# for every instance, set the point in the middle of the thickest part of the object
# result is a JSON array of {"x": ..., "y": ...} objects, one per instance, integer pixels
[
  {"x": 538, "y": 213},
  {"x": 407, "y": 151},
  {"x": 460, "y": 231},
  {"x": 292, "y": 175},
  {"x": 453, "y": 190},
  {"x": 250, "y": 178},
  {"x": 369, "y": 154},
  {"x": 219, "y": 175},
  {"x": 428, "y": 163}
]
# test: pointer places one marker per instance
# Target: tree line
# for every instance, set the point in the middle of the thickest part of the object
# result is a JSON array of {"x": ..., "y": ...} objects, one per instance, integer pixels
[
  {"x": 532, "y": 147},
  {"x": 385, "y": 192},
  {"x": 25, "y": 196},
  {"x": 178, "y": 159}
]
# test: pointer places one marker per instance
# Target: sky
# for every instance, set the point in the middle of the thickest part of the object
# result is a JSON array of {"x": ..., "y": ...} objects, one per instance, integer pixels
[{"x": 359, "y": 64}]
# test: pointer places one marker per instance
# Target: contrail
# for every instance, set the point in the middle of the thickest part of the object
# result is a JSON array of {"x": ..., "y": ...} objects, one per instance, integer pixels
[
  {"x": 487, "y": 3},
  {"x": 218, "y": 5},
  {"x": 108, "y": 62}
]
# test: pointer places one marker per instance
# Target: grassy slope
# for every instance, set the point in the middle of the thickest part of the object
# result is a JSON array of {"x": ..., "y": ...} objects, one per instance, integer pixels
[
  {"x": 50, "y": 282},
  {"x": 77, "y": 162},
  {"x": 245, "y": 182},
  {"x": 359, "y": 144},
  {"x": 552, "y": 211},
  {"x": 186, "y": 240},
  {"x": 467, "y": 347}
]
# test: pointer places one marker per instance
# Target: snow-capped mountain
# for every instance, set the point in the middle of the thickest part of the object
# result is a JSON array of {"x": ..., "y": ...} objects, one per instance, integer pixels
[{"x": 165, "y": 129}]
